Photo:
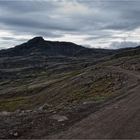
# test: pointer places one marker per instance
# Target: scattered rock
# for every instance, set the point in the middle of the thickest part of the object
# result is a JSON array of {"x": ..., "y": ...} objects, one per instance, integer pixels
[
  {"x": 22, "y": 113},
  {"x": 17, "y": 111},
  {"x": 28, "y": 111},
  {"x": 5, "y": 113},
  {"x": 88, "y": 102},
  {"x": 44, "y": 107},
  {"x": 54, "y": 112},
  {"x": 116, "y": 107},
  {"x": 59, "y": 118},
  {"x": 14, "y": 134}
]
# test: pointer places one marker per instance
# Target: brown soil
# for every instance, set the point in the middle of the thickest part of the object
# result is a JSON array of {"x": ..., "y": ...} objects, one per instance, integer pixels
[{"x": 117, "y": 120}]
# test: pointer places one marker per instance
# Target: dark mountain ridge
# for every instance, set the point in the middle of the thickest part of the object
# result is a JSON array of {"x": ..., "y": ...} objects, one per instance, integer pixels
[
  {"x": 40, "y": 46},
  {"x": 127, "y": 52}
]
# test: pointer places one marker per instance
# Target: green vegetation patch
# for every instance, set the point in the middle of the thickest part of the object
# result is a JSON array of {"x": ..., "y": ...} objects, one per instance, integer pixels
[
  {"x": 98, "y": 91},
  {"x": 14, "y": 104}
]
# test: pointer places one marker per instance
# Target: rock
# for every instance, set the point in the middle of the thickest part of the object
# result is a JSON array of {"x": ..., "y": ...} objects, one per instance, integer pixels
[
  {"x": 51, "y": 111},
  {"x": 59, "y": 118},
  {"x": 88, "y": 102},
  {"x": 116, "y": 107},
  {"x": 54, "y": 112},
  {"x": 44, "y": 107},
  {"x": 22, "y": 112},
  {"x": 28, "y": 111},
  {"x": 17, "y": 111},
  {"x": 5, "y": 113},
  {"x": 34, "y": 111},
  {"x": 15, "y": 134}
]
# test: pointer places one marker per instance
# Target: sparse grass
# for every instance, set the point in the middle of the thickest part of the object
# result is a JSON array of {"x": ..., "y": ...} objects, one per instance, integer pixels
[
  {"x": 14, "y": 104},
  {"x": 60, "y": 90},
  {"x": 98, "y": 91}
]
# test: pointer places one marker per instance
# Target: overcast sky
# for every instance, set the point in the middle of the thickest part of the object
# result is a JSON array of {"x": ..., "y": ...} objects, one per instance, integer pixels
[{"x": 92, "y": 23}]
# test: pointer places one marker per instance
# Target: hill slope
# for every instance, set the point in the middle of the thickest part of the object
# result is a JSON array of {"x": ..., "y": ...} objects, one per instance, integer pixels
[
  {"x": 38, "y": 46},
  {"x": 46, "y": 87}
]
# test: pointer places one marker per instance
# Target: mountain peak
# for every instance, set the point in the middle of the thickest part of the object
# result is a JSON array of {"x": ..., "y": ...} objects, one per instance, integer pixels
[
  {"x": 36, "y": 39},
  {"x": 38, "y": 45}
]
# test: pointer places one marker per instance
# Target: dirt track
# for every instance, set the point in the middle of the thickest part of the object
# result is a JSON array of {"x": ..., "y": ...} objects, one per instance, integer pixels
[{"x": 118, "y": 120}]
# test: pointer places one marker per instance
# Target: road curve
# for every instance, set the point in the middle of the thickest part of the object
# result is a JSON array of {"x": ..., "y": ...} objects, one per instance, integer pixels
[{"x": 118, "y": 120}]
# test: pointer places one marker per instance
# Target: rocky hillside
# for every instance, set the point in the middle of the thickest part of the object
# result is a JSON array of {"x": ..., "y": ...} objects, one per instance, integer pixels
[{"x": 58, "y": 83}]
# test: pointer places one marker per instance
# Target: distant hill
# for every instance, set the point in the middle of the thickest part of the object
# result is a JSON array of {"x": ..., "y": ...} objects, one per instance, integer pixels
[
  {"x": 40, "y": 46},
  {"x": 127, "y": 52}
]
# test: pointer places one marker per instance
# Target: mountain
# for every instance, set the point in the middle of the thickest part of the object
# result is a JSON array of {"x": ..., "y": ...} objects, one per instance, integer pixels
[
  {"x": 48, "y": 86},
  {"x": 126, "y": 52},
  {"x": 38, "y": 46}
]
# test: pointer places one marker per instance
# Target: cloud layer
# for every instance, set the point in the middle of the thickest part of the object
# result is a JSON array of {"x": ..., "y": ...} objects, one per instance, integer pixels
[{"x": 98, "y": 23}]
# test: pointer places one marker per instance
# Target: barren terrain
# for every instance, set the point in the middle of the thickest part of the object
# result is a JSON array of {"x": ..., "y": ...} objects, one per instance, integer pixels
[{"x": 63, "y": 90}]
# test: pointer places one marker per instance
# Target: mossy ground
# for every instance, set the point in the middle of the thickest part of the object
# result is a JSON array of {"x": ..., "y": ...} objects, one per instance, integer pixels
[
  {"x": 58, "y": 90},
  {"x": 14, "y": 104}
]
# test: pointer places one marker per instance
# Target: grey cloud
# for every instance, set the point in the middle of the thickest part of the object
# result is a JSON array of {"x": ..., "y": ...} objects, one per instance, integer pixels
[
  {"x": 55, "y": 19},
  {"x": 26, "y": 6},
  {"x": 100, "y": 36},
  {"x": 32, "y": 23},
  {"x": 12, "y": 39},
  {"x": 124, "y": 26},
  {"x": 124, "y": 44},
  {"x": 7, "y": 38}
]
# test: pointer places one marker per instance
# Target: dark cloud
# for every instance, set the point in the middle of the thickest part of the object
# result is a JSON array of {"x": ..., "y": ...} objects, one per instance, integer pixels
[
  {"x": 23, "y": 22},
  {"x": 26, "y": 6},
  {"x": 98, "y": 20}
]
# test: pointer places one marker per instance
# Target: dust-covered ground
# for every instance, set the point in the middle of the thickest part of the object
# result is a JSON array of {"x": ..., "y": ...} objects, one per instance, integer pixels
[{"x": 69, "y": 97}]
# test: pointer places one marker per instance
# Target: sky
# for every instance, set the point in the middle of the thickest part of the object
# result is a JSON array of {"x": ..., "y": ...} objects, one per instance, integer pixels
[{"x": 108, "y": 24}]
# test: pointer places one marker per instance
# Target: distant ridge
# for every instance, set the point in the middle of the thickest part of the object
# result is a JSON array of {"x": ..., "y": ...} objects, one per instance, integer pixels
[{"x": 39, "y": 46}]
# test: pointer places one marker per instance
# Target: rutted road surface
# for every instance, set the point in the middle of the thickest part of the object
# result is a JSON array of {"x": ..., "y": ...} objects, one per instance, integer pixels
[{"x": 118, "y": 120}]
